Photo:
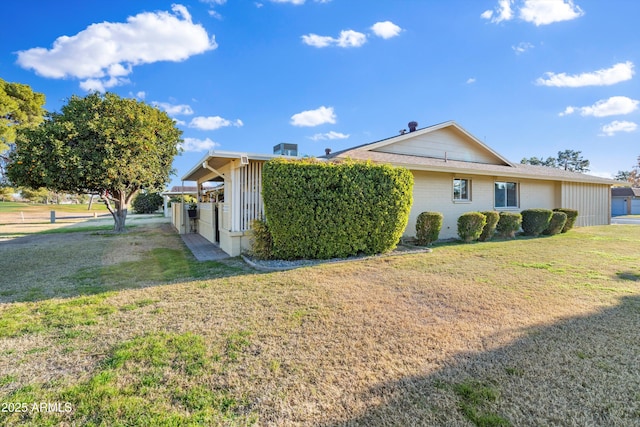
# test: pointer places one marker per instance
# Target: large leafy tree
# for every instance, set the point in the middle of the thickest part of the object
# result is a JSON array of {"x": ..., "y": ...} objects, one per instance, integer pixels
[
  {"x": 101, "y": 144},
  {"x": 568, "y": 160},
  {"x": 20, "y": 107}
]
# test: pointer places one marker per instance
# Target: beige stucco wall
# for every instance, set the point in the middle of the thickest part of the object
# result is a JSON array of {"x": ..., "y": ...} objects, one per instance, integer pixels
[
  {"x": 538, "y": 194},
  {"x": 207, "y": 221},
  {"x": 179, "y": 217},
  {"x": 434, "y": 192}
]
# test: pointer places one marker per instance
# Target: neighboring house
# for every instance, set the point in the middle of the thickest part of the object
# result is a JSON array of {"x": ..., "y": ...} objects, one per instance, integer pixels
[
  {"x": 454, "y": 173},
  {"x": 625, "y": 201}
]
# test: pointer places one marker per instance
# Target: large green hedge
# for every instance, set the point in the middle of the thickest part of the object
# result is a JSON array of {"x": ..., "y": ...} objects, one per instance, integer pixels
[{"x": 324, "y": 210}]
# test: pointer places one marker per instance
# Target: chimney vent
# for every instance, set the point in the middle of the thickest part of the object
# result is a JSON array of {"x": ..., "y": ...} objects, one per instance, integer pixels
[
  {"x": 413, "y": 126},
  {"x": 327, "y": 151}
]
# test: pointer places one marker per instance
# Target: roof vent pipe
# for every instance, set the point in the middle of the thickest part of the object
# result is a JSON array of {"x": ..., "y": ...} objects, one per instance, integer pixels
[{"x": 413, "y": 126}]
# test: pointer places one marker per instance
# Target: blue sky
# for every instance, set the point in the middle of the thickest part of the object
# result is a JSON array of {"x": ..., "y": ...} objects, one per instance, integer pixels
[{"x": 527, "y": 77}]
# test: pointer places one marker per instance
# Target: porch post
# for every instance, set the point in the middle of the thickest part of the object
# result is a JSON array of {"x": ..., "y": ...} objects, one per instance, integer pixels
[{"x": 235, "y": 198}]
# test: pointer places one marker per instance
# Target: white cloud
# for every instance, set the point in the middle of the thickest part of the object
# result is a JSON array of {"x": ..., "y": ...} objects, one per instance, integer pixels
[
  {"x": 315, "y": 117},
  {"x": 213, "y": 3},
  {"x": 386, "y": 29},
  {"x": 502, "y": 12},
  {"x": 102, "y": 85},
  {"x": 174, "y": 110},
  {"x": 618, "y": 126},
  {"x": 317, "y": 41},
  {"x": 141, "y": 95},
  {"x": 614, "y": 106},
  {"x": 522, "y": 47},
  {"x": 471, "y": 80},
  {"x": 213, "y": 123},
  {"x": 103, "y": 54},
  {"x": 195, "y": 144},
  {"x": 618, "y": 73},
  {"x": 348, "y": 38},
  {"x": 329, "y": 135},
  {"x": 544, "y": 12},
  {"x": 538, "y": 12}
]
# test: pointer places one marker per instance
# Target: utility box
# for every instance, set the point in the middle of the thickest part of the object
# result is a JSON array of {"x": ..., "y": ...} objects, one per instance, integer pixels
[{"x": 285, "y": 149}]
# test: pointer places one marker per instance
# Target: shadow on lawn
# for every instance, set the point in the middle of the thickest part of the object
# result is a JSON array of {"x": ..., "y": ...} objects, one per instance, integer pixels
[
  {"x": 39, "y": 267},
  {"x": 579, "y": 371}
]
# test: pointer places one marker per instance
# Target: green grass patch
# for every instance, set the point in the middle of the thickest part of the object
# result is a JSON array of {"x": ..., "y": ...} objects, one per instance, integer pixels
[
  {"x": 138, "y": 304},
  {"x": 7, "y": 379},
  {"x": 474, "y": 399},
  {"x": 28, "y": 318},
  {"x": 83, "y": 229},
  {"x": 155, "y": 379},
  {"x": 12, "y": 207},
  {"x": 159, "y": 265},
  {"x": 236, "y": 342}
]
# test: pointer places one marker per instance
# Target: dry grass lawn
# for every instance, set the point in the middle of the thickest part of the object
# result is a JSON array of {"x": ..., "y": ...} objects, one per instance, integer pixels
[{"x": 131, "y": 330}]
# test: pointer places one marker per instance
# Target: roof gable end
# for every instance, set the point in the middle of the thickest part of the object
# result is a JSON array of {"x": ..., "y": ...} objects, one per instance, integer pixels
[{"x": 447, "y": 140}]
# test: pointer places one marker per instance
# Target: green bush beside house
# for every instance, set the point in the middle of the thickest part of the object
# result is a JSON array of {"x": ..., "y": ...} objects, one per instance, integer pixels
[
  {"x": 535, "y": 221},
  {"x": 489, "y": 228},
  {"x": 470, "y": 226},
  {"x": 556, "y": 224},
  {"x": 428, "y": 226},
  {"x": 508, "y": 224},
  {"x": 321, "y": 210}
]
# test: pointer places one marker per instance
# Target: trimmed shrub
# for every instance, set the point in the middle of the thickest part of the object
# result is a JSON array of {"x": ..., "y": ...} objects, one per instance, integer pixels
[
  {"x": 146, "y": 203},
  {"x": 262, "y": 244},
  {"x": 572, "y": 215},
  {"x": 535, "y": 221},
  {"x": 508, "y": 224},
  {"x": 490, "y": 227},
  {"x": 428, "y": 226},
  {"x": 556, "y": 224},
  {"x": 470, "y": 226},
  {"x": 320, "y": 210}
]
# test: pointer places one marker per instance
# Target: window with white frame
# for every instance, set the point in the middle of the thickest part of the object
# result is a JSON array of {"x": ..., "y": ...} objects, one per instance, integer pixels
[
  {"x": 506, "y": 194},
  {"x": 461, "y": 190}
]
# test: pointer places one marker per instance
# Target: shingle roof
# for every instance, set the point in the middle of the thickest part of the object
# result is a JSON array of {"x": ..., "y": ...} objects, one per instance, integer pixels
[
  {"x": 625, "y": 192},
  {"x": 183, "y": 189},
  {"x": 442, "y": 165},
  {"x": 414, "y": 162}
]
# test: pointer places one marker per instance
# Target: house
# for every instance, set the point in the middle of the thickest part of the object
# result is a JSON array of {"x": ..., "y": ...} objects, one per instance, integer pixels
[
  {"x": 625, "y": 201},
  {"x": 225, "y": 219},
  {"x": 454, "y": 173}
]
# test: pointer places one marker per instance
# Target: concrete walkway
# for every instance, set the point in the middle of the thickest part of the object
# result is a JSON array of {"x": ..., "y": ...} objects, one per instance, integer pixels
[{"x": 203, "y": 249}]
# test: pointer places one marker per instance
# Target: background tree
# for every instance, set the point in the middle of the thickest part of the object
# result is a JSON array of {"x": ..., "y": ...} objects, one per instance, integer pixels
[
  {"x": 147, "y": 202},
  {"x": 622, "y": 176},
  {"x": 632, "y": 176},
  {"x": 101, "y": 144},
  {"x": 35, "y": 195},
  {"x": 6, "y": 193},
  {"x": 568, "y": 160},
  {"x": 19, "y": 107}
]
